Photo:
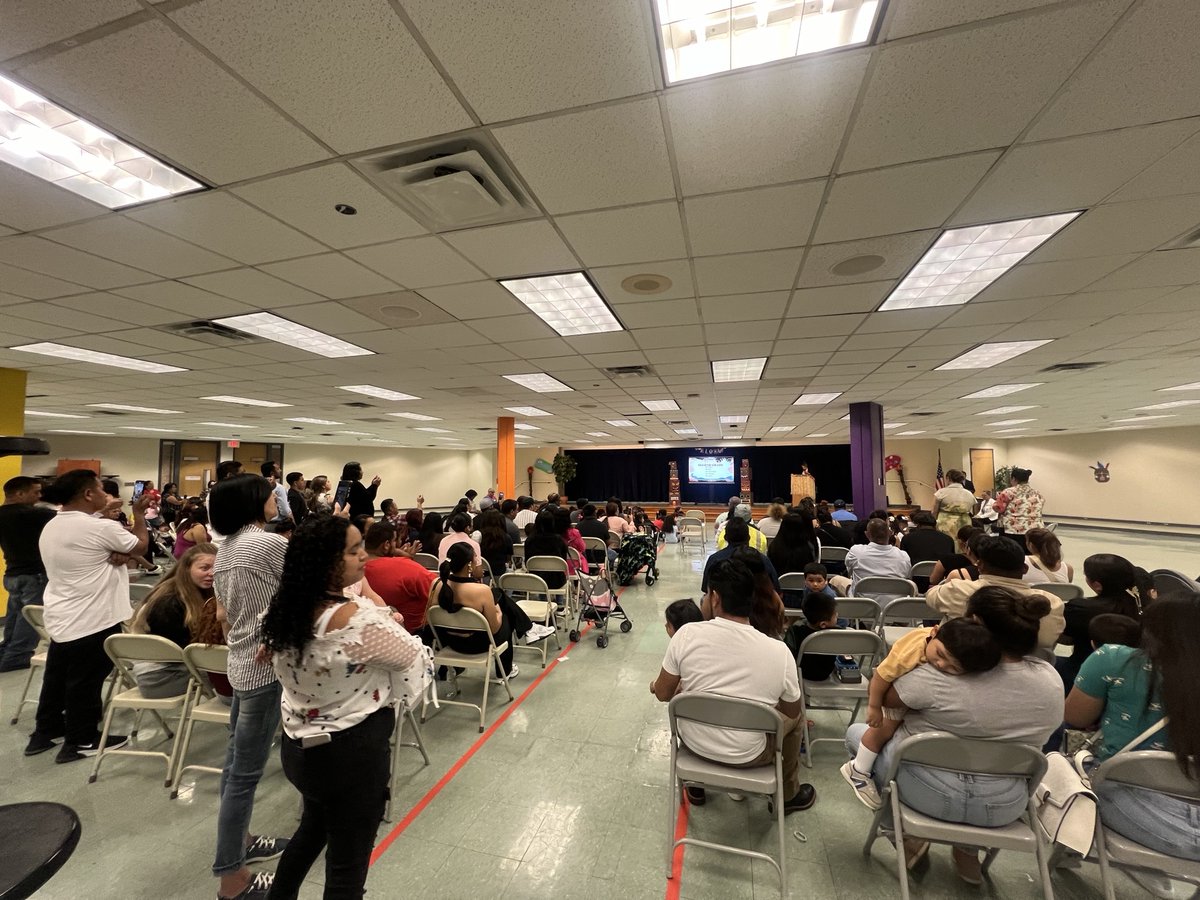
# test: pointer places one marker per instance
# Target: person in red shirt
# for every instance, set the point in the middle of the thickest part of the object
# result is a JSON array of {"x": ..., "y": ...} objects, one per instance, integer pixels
[{"x": 401, "y": 581}]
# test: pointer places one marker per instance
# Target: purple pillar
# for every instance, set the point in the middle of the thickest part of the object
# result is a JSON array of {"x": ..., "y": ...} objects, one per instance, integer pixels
[{"x": 866, "y": 457}]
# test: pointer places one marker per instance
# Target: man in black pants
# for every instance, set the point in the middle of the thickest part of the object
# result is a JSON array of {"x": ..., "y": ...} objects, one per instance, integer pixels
[
  {"x": 21, "y": 524},
  {"x": 86, "y": 600}
]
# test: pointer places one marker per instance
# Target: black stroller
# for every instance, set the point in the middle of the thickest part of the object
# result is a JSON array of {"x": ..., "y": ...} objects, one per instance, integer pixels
[{"x": 636, "y": 551}]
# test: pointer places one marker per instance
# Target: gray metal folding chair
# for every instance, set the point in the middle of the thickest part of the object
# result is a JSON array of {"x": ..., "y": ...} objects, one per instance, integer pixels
[
  {"x": 428, "y": 560},
  {"x": 541, "y": 610},
  {"x": 901, "y": 616},
  {"x": 205, "y": 706},
  {"x": 792, "y": 581},
  {"x": 833, "y": 554},
  {"x": 1067, "y": 592},
  {"x": 35, "y": 616},
  {"x": 1168, "y": 581},
  {"x": 518, "y": 557},
  {"x": 859, "y": 610},
  {"x": 924, "y": 568},
  {"x": 939, "y": 750},
  {"x": 138, "y": 593},
  {"x": 867, "y": 648},
  {"x": 732, "y": 714},
  {"x": 884, "y": 588},
  {"x": 466, "y": 620}
]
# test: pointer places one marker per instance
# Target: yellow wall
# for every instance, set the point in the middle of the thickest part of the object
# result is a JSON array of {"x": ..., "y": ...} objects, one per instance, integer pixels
[{"x": 12, "y": 424}]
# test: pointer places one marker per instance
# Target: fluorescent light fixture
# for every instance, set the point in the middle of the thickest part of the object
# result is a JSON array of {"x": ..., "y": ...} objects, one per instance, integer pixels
[
  {"x": 245, "y": 401},
  {"x": 1004, "y": 410},
  {"x": 74, "y": 431},
  {"x": 819, "y": 434},
  {"x": 145, "y": 428},
  {"x": 1173, "y": 404},
  {"x": 781, "y": 429},
  {"x": 357, "y": 433},
  {"x": 226, "y": 425},
  {"x": 138, "y": 409},
  {"x": 583, "y": 442},
  {"x": 660, "y": 405},
  {"x": 816, "y": 399},
  {"x": 528, "y": 411},
  {"x": 621, "y": 423},
  {"x": 371, "y": 391},
  {"x": 540, "y": 382},
  {"x": 76, "y": 354},
  {"x": 738, "y": 369},
  {"x": 964, "y": 261},
  {"x": 892, "y": 425},
  {"x": 686, "y": 431},
  {"x": 415, "y": 416},
  {"x": 845, "y": 418},
  {"x": 1146, "y": 418},
  {"x": 569, "y": 303},
  {"x": 1193, "y": 386},
  {"x": 599, "y": 434},
  {"x": 1010, "y": 430},
  {"x": 284, "y": 331},
  {"x": 908, "y": 433},
  {"x": 523, "y": 426},
  {"x": 54, "y": 415},
  {"x": 435, "y": 430},
  {"x": 1001, "y": 390},
  {"x": 734, "y": 420},
  {"x": 48, "y": 142},
  {"x": 1010, "y": 422},
  {"x": 987, "y": 355},
  {"x": 308, "y": 421},
  {"x": 710, "y": 36}
]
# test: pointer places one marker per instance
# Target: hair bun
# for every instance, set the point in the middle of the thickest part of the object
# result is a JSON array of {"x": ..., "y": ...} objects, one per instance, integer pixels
[{"x": 1031, "y": 607}]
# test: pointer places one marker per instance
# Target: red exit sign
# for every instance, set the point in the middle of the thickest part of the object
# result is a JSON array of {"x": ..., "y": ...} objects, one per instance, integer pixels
[{"x": 233, "y": 445}]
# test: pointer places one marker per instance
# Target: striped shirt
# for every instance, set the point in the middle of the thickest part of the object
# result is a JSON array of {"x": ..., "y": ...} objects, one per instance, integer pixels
[{"x": 246, "y": 575}]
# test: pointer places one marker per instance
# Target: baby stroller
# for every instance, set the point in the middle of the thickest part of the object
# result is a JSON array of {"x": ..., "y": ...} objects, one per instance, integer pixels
[
  {"x": 598, "y": 605},
  {"x": 636, "y": 550}
]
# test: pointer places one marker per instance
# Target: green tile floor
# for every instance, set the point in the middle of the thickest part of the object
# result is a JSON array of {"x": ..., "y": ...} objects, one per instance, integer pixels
[{"x": 565, "y": 799}]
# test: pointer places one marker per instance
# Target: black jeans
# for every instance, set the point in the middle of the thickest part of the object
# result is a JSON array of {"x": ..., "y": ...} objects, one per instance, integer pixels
[
  {"x": 344, "y": 785},
  {"x": 70, "y": 702}
]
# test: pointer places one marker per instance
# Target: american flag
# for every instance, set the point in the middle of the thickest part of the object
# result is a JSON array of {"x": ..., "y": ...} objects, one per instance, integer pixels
[{"x": 940, "y": 481}]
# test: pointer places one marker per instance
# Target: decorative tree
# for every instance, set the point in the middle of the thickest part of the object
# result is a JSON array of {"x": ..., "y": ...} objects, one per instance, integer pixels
[
  {"x": 1003, "y": 478},
  {"x": 564, "y": 468},
  {"x": 893, "y": 463}
]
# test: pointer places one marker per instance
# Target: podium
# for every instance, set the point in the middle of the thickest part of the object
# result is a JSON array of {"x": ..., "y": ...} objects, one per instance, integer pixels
[{"x": 803, "y": 485}]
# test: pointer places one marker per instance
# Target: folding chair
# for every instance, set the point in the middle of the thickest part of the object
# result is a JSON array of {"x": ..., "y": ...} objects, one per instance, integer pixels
[
  {"x": 1168, "y": 581},
  {"x": 884, "y": 588},
  {"x": 555, "y": 565},
  {"x": 733, "y": 714},
  {"x": 912, "y": 610},
  {"x": 35, "y": 616},
  {"x": 488, "y": 577},
  {"x": 924, "y": 568},
  {"x": 205, "y": 704},
  {"x": 696, "y": 514},
  {"x": 138, "y": 594},
  {"x": 541, "y": 611},
  {"x": 125, "y": 650},
  {"x": 1066, "y": 592},
  {"x": 599, "y": 547},
  {"x": 866, "y": 647},
  {"x": 1152, "y": 770},
  {"x": 518, "y": 557},
  {"x": 690, "y": 531},
  {"x": 939, "y": 750},
  {"x": 468, "y": 620},
  {"x": 833, "y": 555},
  {"x": 404, "y": 712},
  {"x": 794, "y": 582},
  {"x": 428, "y": 560},
  {"x": 860, "y": 611}
]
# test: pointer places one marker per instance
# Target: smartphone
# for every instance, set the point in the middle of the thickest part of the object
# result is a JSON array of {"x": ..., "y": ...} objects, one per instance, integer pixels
[
  {"x": 343, "y": 494},
  {"x": 139, "y": 488}
]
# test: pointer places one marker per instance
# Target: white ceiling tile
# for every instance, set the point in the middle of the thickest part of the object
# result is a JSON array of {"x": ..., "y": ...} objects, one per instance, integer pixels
[
  {"x": 816, "y": 328},
  {"x": 1176, "y": 173},
  {"x": 770, "y": 270},
  {"x": 659, "y": 313},
  {"x": 27, "y": 202},
  {"x": 27, "y": 329},
  {"x": 876, "y": 340},
  {"x": 762, "y": 219},
  {"x": 476, "y": 300},
  {"x": 512, "y": 328},
  {"x": 325, "y": 63},
  {"x": 399, "y": 309},
  {"x": 30, "y": 26},
  {"x": 1164, "y": 267},
  {"x": 897, "y": 254},
  {"x": 1123, "y": 228},
  {"x": 609, "y": 279},
  {"x": 900, "y": 198},
  {"x": 907, "y": 17},
  {"x": 50, "y": 258},
  {"x": 336, "y": 319},
  {"x": 74, "y": 319},
  {"x": 1043, "y": 279},
  {"x": 781, "y": 123},
  {"x": 602, "y": 157},
  {"x": 187, "y": 300},
  {"x": 842, "y": 298},
  {"x": 176, "y": 101},
  {"x": 738, "y": 332},
  {"x": 744, "y": 307},
  {"x": 677, "y": 336},
  {"x": 331, "y": 275},
  {"x": 134, "y": 244},
  {"x": 417, "y": 263},
  {"x": 521, "y": 248},
  {"x": 113, "y": 306},
  {"x": 224, "y": 224},
  {"x": 904, "y": 320},
  {"x": 634, "y": 234},
  {"x": 259, "y": 289},
  {"x": 970, "y": 89},
  {"x": 998, "y": 313}
]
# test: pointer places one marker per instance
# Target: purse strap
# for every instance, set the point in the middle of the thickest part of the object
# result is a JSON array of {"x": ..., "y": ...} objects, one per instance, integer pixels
[{"x": 1137, "y": 741}]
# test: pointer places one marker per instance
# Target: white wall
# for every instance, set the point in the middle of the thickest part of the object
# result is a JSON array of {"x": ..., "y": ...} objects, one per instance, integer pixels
[
  {"x": 919, "y": 457},
  {"x": 543, "y": 482},
  {"x": 129, "y": 459}
]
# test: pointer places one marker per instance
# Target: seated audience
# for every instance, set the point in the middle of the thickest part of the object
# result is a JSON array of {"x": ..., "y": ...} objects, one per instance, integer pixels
[
  {"x": 297, "y": 502},
  {"x": 841, "y": 514},
  {"x": 191, "y": 531},
  {"x": 769, "y": 524},
  {"x": 525, "y": 514},
  {"x": 741, "y": 512},
  {"x": 494, "y": 543},
  {"x": 614, "y": 521},
  {"x": 577, "y": 510},
  {"x": 459, "y": 525},
  {"x": 431, "y": 532},
  {"x": 508, "y": 509},
  {"x": 1111, "y": 628},
  {"x": 570, "y": 535},
  {"x": 795, "y": 547},
  {"x": 924, "y": 542},
  {"x": 680, "y": 613},
  {"x": 399, "y": 580},
  {"x": 766, "y": 613},
  {"x": 738, "y": 534},
  {"x": 724, "y": 516},
  {"x": 459, "y": 588},
  {"x": 1045, "y": 558},
  {"x": 409, "y": 530},
  {"x": 961, "y": 563},
  {"x": 548, "y": 539},
  {"x": 879, "y": 557},
  {"x": 590, "y": 526},
  {"x": 860, "y": 526},
  {"x": 830, "y": 533},
  {"x": 1115, "y": 583}
]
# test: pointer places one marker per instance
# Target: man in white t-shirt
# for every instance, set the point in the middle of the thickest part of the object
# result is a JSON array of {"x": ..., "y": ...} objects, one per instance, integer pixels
[
  {"x": 727, "y": 656},
  {"x": 86, "y": 600}
]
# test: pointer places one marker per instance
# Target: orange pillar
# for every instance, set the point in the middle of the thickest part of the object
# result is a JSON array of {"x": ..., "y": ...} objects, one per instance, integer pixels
[
  {"x": 12, "y": 424},
  {"x": 506, "y": 460}
]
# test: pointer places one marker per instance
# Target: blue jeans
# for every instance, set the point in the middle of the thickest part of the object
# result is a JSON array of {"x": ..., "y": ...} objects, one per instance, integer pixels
[
  {"x": 1158, "y": 821},
  {"x": 20, "y": 640},
  {"x": 253, "y": 718},
  {"x": 983, "y": 801}
]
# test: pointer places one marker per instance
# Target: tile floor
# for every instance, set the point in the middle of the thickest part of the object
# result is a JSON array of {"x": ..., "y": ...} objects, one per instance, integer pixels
[{"x": 565, "y": 799}]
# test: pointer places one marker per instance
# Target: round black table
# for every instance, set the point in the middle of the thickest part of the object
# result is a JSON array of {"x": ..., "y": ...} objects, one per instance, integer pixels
[{"x": 37, "y": 839}]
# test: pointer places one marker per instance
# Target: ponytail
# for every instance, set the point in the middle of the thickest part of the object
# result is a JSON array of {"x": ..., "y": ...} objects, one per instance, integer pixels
[{"x": 459, "y": 554}]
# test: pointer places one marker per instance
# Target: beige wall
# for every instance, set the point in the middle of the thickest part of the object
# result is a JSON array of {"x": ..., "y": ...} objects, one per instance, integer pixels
[
  {"x": 543, "y": 482},
  {"x": 129, "y": 459},
  {"x": 919, "y": 458}
]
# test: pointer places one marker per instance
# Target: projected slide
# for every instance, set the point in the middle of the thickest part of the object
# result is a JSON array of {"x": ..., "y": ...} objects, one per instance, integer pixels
[{"x": 710, "y": 470}]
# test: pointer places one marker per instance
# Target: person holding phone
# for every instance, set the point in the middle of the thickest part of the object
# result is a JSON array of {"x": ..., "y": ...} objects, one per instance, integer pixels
[{"x": 360, "y": 497}]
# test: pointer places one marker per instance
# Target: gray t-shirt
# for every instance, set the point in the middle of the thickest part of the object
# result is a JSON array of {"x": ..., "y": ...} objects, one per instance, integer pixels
[{"x": 1018, "y": 701}]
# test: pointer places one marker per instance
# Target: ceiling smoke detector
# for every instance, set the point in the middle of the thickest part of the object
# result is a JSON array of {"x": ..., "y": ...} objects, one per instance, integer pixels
[{"x": 645, "y": 284}]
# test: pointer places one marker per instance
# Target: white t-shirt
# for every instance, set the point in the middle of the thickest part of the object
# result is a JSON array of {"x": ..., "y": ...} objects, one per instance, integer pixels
[
  {"x": 86, "y": 593},
  {"x": 724, "y": 657},
  {"x": 523, "y": 518}
]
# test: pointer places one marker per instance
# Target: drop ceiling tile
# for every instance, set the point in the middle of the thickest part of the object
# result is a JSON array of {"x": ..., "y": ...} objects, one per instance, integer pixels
[
  {"x": 532, "y": 350},
  {"x": 659, "y": 313},
  {"x": 332, "y": 318},
  {"x": 899, "y": 198},
  {"x": 970, "y": 89},
  {"x": 417, "y": 263},
  {"x": 27, "y": 202},
  {"x": 224, "y": 224},
  {"x": 34, "y": 286},
  {"x": 186, "y": 300},
  {"x": 113, "y": 306},
  {"x": 818, "y": 327},
  {"x": 306, "y": 200},
  {"x": 330, "y": 274},
  {"x": 50, "y": 314},
  {"x": 260, "y": 290},
  {"x": 17, "y": 330},
  {"x": 744, "y": 307},
  {"x": 50, "y": 258},
  {"x": 678, "y": 336},
  {"x": 896, "y": 254},
  {"x": 132, "y": 243},
  {"x": 161, "y": 341},
  {"x": 876, "y": 340},
  {"x": 761, "y": 219},
  {"x": 998, "y": 313},
  {"x": 904, "y": 320},
  {"x": 611, "y": 342},
  {"x": 325, "y": 63},
  {"x": 1185, "y": 300},
  {"x": 629, "y": 235},
  {"x": 1061, "y": 277},
  {"x": 610, "y": 156},
  {"x": 905, "y": 19},
  {"x": 32, "y": 26},
  {"x": 1176, "y": 173},
  {"x": 1165, "y": 267},
  {"x": 504, "y": 329},
  {"x": 1123, "y": 228},
  {"x": 737, "y": 332},
  {"x": 521, "y": 248},
  {"x": 770, "y": 270},
  {"x": 176, "y": 100},
  {"x": 842, "y": 298},
  {"x": 475, "y": 300},
  {"x": 781, "y": 123},
  {"x": 609, "y": 279},
  {"x": 450, "y": 334}
]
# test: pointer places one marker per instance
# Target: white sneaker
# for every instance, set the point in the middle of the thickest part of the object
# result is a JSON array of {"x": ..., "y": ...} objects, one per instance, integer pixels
[
  {"x": 736, "y": 797},
  {"x": 512, "y": 673},
  {"x": 537, "y": 633},
  {"x": 863, "y": 786}
]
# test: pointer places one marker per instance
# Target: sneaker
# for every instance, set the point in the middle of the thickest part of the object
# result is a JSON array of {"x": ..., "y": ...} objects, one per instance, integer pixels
[
  {"x": 966, "y": 864},
  {"x": 264, "y": 849},
  {"x": 537, "y": 633},
  {"x": 39, "y": 743},
  {"x": 154, "y": 570},
  {"x": 75, "y": 752},
  {"x": 512, "y": 673},
  {"x": 258, "y": 888},
  {"x": 864, "y": 787}
]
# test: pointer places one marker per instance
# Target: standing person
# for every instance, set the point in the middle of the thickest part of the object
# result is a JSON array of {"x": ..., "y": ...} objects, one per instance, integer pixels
[
  {"x": 21, "y": 524},
  {"x": 172, "y": 502},
  {"x": 362, "y": 498},
  {"x": 1020, "y": 507},
  {"x": 317, "y": 497},
  {"x": 86, "y": 599},
  {"x": 246, "y": 576},
  {"x": 953, "y": 504},
  {"x": 336, "y": 730},
  {"x": 270, "y": 471},
  {"x": 295, "y": 497}
]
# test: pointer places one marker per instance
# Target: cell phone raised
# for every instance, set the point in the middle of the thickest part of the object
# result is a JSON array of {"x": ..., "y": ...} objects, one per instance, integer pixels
[
  {"x": 139, "y": 488},
  {"x": 343, "y": 494}
]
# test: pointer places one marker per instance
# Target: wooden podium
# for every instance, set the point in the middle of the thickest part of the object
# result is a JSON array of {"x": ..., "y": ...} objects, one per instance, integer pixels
[{"x": 803, "y": 485}]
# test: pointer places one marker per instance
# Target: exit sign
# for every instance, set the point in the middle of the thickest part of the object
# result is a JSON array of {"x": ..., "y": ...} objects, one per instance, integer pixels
[{"x": 233, "y": 445}]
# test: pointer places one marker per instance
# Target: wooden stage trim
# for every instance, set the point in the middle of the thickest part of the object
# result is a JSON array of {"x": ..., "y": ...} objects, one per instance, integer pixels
[{"x": 757, "y": 510}]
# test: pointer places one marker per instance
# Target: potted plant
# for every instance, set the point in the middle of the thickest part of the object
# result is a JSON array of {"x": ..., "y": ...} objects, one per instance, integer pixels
[
  {"x": 1003, "y": 478},
  {"x": 564, "y": 468}
]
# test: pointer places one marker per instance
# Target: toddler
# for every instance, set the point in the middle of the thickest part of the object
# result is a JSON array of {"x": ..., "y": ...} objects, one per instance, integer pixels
[
  {"x": 1113, "y": 628},
  {"x": 680, "y": 613},
  {"x": 956, "y": 647}
]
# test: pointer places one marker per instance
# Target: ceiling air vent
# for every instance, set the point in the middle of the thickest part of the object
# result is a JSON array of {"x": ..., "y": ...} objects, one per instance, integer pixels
[
  {"x": 1073, "y": 367},
  {"x": 923, "y": 414},
  {"x": 209, "y": 332},
  {"x": 358, "y": 404},
  {"x": 617, "y": 372},
  {"x": 460, "y": 183}
]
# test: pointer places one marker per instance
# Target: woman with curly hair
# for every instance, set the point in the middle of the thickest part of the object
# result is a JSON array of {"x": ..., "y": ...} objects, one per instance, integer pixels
[{"x": 334, "y": 657}]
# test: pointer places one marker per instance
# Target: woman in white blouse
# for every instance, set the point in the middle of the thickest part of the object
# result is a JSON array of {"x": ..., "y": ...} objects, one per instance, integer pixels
[{"x": 335, "y": 656}]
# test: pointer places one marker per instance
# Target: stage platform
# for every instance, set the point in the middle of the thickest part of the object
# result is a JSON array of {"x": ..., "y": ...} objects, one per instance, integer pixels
[{"x": 758, "y": 510}]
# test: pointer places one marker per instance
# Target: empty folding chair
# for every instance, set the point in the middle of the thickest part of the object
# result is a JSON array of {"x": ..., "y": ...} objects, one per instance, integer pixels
[
  {"x": 205, "y": 705},
  {"x": 867, "y": 648},
  {"x": 884, "y": 588},
  {"x": 791, "y": 585},
  {"x": 833, "y": 554},
  {"x": 428, "y": 560},
  {"x": 1065, "y": 592},
  {"x": 404, "y": 713},
  {"x": 691, "y": 532},
  {"x": 466, "y": 620},
  {"x": 901, "y": 616},
  {"x": 554, "y": 568},
  {"x": 541, "y": 610},
  {"x": 34, "y": 615}
]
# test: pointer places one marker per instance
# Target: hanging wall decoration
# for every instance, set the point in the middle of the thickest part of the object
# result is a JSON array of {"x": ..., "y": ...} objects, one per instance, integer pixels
[{"x": 1100, "y": 470}]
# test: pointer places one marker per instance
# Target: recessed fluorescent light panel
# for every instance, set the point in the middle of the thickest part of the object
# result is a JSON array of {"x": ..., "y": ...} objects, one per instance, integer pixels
[
  {"x": 1010, "y": 422},
  {"x": 1001, "y": 390},
  {"x": 781, "y": 429},
  {"x": 246, "y": 401},
  {"x": 686, "y": 431},
  {"x": 540, "y": 382},
  {"x": 987, "y": 355},
  {"x": 356, "y": 433},
  {"x": 416, "y": 416},
  {"x": 599, "y": 434},
  {"x": 53, "y": 415},
  {"x": 583, "y": 442},
  {"x": 738, "y": 369},
  {"x": 1174, "y": 404},
  {"x": 308, "y": 421},
  {"x": 568, "y": 303},
  {"x": 226, "y": 425},
  {"x": 1010, "y": 430},
  {"x": 522, "y": 426},
  {"x": 1194, "y": 386},
  {"x": 73, "y": 431},
  {"x": 370, "y": 390},
  {"x": 1146, "y": 418},
  {"x": 660, "y": 405},
  {"x": 908, "y": 433},
  {"x": 528, "y": 411},
  {"x": 820, "y": 434},
  {"x": 892, "y": 425},
  {"x": 710, "y": 36},
  {"x": 435, "y": 430},
  {"x": 138, "y": 409},
  {"x": 964, "y": 261},
  {"x": 144, "y": 428},
  {"x": 734, "y": 420},
  {"x": 283, "y": 331},
  {"x": 48, "y": 142},
  {"x": 75, "y": 354},
  {"x": 1004, "y": 410},
  {"x": 816, "y": 399},
  {"x": 621, "y": 423}
]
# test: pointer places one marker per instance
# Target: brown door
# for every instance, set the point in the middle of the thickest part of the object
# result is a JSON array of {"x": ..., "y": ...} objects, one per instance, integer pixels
[
  {"x": 197, "y": 466},
  {"x": 983, "y": 470}
]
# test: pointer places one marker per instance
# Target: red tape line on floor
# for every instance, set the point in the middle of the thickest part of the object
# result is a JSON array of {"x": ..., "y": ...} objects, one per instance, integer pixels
[{"x": 681, "y": 825}]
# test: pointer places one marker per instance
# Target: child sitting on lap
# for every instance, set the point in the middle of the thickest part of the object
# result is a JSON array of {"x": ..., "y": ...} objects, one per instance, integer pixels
[
  {"x": 680, "y": 613},
  {"x": 957, "y": 647}
]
